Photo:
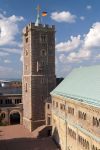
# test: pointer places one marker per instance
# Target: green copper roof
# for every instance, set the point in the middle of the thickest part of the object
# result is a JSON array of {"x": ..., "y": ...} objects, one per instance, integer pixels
[
  {"x": 38, "y": 20},
  {"x": 82, "y": 84}
]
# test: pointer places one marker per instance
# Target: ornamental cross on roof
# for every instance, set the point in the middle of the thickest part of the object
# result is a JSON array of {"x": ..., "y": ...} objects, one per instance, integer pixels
[{"x": 38, "y": 8}]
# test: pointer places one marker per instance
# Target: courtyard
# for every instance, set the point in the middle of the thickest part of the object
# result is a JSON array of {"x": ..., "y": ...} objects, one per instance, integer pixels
[{"x": 16, "y": 137}]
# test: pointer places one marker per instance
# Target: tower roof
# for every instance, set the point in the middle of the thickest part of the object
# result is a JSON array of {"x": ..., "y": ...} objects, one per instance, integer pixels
[
  {"x": 38, "y": 18},
  {"x": 82, "y": 84}
]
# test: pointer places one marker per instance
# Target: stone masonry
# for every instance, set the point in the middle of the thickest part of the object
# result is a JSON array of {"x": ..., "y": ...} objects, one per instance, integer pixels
[{"x": 38, "y": 72}]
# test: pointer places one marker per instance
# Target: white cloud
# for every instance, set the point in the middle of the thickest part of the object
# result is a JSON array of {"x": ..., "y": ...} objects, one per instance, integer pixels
[
  {"x": 9, "y": 72},
  {"x": 82, "y": 18},
  {"x": 70, "y": 45},
  {"x": 56, "y": 60},
  {"x": 9, "y": 29},
  {"x": 75, "y": 56},
  {"x": 62, "y": 58},
  {"x": 12, "y": 50},
  {"x": 21, "y": 58},
  {"x": 88, "y": 7},
  {"x": 64, "y": 70},
  {"x": 9, "y": 44},
  {"x": 98, "y": 56},
  {"x": 92, "y": 39},
  {"x": 6, "y": 61},
  {"x": 5, "y": 69},
  {"x": 79, "y": 56},
  {"x": 86, "y": 48},
  {"x": 64, "y": 16},
  {"x": 3, "y": 54}
]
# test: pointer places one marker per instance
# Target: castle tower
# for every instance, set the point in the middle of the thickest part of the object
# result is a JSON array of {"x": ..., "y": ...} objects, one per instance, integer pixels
[{"x": 38, "y": 71}]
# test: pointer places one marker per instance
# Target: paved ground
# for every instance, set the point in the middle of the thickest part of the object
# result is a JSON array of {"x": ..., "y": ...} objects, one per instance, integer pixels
[{"x": 18, "y": 138}]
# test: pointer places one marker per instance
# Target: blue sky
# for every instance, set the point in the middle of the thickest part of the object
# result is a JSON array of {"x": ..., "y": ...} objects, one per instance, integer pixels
[{"x": 77, "y": 33}]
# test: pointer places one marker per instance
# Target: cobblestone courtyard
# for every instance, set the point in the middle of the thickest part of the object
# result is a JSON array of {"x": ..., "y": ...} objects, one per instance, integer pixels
[{"x": 18, "y": 138}]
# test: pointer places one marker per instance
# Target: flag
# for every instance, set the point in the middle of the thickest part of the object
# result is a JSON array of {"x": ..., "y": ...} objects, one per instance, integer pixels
[{"x": 44, "y": 13}]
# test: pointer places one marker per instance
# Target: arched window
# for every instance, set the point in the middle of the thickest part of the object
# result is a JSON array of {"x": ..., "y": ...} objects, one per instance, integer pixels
[{"x": 3, "y": 115}]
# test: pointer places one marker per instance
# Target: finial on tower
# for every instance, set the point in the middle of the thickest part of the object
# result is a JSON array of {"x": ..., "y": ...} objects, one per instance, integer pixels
[{"x": 38, "y": 19}]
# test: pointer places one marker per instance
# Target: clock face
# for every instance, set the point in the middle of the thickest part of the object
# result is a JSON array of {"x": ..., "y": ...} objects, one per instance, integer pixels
[{"x": 43, "y": 52}]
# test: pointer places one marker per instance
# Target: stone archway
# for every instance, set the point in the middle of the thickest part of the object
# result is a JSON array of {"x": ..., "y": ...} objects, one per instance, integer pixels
[{"x": 15, "y": 118}]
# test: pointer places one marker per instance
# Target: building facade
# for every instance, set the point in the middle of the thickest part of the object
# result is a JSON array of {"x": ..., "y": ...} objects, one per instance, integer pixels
[
  {"x": 11, "y": 109},
  {"x": 38, "y": 72},
  {"x": 76, "y": 110}
]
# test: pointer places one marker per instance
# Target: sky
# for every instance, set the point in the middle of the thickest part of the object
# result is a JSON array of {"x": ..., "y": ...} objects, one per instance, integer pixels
[{"x": 77, "y": 35}]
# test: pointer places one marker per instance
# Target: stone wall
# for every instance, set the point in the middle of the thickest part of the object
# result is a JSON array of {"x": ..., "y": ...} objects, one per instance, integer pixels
[
  {"x": 10, "y": 104},
  {"x": 38, "y": 72},
  {"x": 73, "y": 122}
]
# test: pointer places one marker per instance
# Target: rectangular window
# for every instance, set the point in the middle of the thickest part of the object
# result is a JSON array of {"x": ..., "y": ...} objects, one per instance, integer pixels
[
  {"x": 43, "y": 38},
  {"x": 26, "y": 52},
  {"x": 1, "y": 101},
  {"x": 83, "y": 142},
  {"x": 57, "y": 104},
  {"x": 95, "y": 148},
  {"x": 72, "y": 133},
  {"x": 27, "y": 40},
  {"x": 71, "y": 110},
  {"x": 62, "y": 106},
  {"x": 3, "y": 115},
  {"x": 96, "y": 122},
  {"x": 82, "y": 115},
  {"x": 26, "y": 87},
  {"x": 48, "y": 106},
  {"x": 49, "y": 121}
]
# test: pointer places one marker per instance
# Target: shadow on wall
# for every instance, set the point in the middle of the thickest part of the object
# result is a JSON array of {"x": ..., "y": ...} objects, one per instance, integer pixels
[
  {"x": 45, "y": 132},
  {"x": 0, "y": 134},
  {"x": 15, "y": 118},
  {"x": 56, "y": 136},
  {"x": 28, "y": 144}
]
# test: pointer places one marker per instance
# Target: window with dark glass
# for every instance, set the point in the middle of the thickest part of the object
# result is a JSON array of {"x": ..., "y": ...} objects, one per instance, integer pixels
[
  {"x": 26, "y": 39},
  {"x": 82, "y": 115},
  {"x": 71, "y": 110},
  {"x": 48, "y": 106},
  {"x": 43, "y": 38},
  {"x": 96, "y": 121},
  {"x": 1, "y": 101},
  {"x": 26, "y": 87},
  {"x": 26, "y": 52},
  {"x": 3, "y": 115}
]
